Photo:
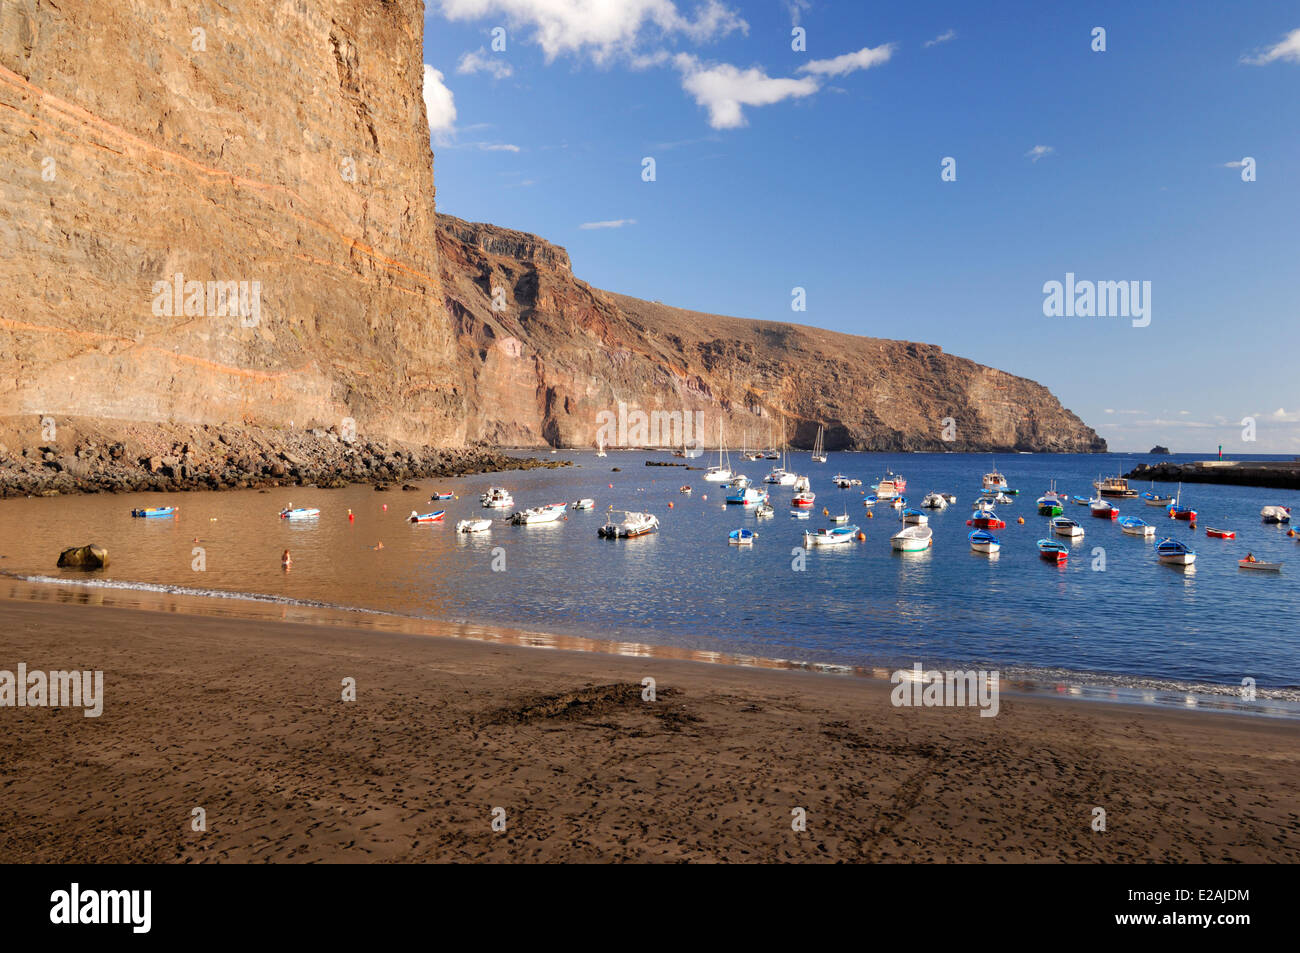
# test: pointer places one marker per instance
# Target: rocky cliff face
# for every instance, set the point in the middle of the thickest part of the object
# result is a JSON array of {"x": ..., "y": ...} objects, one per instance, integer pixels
[{"x": 224, "y": 215}]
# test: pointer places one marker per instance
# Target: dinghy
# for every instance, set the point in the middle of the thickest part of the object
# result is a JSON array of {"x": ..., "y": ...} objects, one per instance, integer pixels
[
  {"x": 839, "y": 518},
  {"x": 299, "y": 513},
  {"x": 841, "y": 481},
  {"x": 803, "y": 499},
  {"x": 912, "y": 539},
  {"x": 548, "y": 513},
  {"x": 830, "y": 537},
  {"x": 497, "y": 498},
  {"x": 898, "y": 502},
  {"x": 586, "y": 503},
  {"x": 871, "y": 500},
  {"x": 915, "y": 517},
  {"x": 1080, "y": 501},
  {"x": 982, "y": 541},
  {"x": 1064, "y": 526},
  {"x": 934, "y": 501},
  {"x": 152, "y": 511},
  {"x": 631, "y": 526},
  {"x": 741, "y": 537},
  {"x": 986, "y": 519},
  {"x": 473, "y": 526},
  {"x": 799, "y": 514},
  {"x": 1276, "y": 514},
  {"x": 1136, "y": 526},
  {"x": 764, "y": 512},
  {"x": 1053, "y": 551},
  {"x": 1257, "y": 565},
  {"x": 748, "y": 496},
  {"x": 1103, "y": 510},
  {"x": 1221, "y": 533},
  {"x": 442, "y": 495},
  {"x": 433, "y": 517},
  {"x": 950, "y": 497},
  {"x": 1152, "y": 498},
  {"x": 1175, "y": 553},
  {"x": 1049, "y": 505}
]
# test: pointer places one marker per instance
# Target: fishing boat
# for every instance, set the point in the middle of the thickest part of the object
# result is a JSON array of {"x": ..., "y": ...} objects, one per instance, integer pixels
[
  {"x": 898, "y": 502},
  {"x": 912, "y": 539},
  {"x": 801, "y": 483},
  {"x": 684, "y": 489},
  {"x": 994, "y": 481},
  {"x": 800, "y": 514},
  {"x": 534, "y": 515},
  {"x": 1064, "y": 526},
  {"x": 982, "y": 541},
  {"x": 1053, "y": 551},
  {"x": 434, "y": 517},
  {"x": 839, "y": 517},
  {"x": 841, "y": 481},
  {"x": 1115, "y": 486},
  {"x": 803, "y": 499},
  {"x": 473, "y": 526},
  {"x": 1179, "y": 512},
  {"x": 871, "y": 500},
  {"x": 986, "y": 519},
  {"x": 1103, "y": 510},
  {"x": 934, "y": 501},
  {"x": 1152, "y": 498},
  {"x": 631, "y": 526},
  {"x": 915, "y": 517},
  {"x": 819, "y": 447},
  {"x": 586, "y": 503},
  {"x": 1276, "y": 514},
  {"x": 150, "y": 512},
  {"x": 1257, "y": 565},
  {"x": 722, "y": 472},
  {"x": 1080, "y": 501},
  {"x": 442, "y": 495},
  {"x": 1220, "y": 533},
  {"x": 748, "y": 496},
  {"x": 497, "y": 498},
  {"x": 764, "y": 512},
  {"x": 1175, "y": 553},
  {"x": 299, "y": 512},
  {"x": 890, "y": 485},
  {"x": 830, "y": 537},
  {"x": 1049, "y": 506},
  {"x": 1136, "y": 526},
  {"x": 741, "y": 537}
]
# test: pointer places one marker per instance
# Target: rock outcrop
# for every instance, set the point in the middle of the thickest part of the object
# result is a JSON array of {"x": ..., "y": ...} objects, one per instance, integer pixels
[
  {"x": 225, "y": 217},
  {"x": 90, "y": 556}
]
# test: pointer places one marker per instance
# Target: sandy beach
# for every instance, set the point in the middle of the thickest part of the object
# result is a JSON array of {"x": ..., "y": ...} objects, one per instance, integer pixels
[{"x": 244, "y": 719}]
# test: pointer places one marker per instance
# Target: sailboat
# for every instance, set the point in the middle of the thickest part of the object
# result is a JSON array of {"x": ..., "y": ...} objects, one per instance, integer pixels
[
  {"x": 819, "y": 447},
  {"x": 600, "y": 445},
  {"x": 780, "y": 475},
  {"x": 722, "y": 472},
  {"x": 1178, "y": 511}
]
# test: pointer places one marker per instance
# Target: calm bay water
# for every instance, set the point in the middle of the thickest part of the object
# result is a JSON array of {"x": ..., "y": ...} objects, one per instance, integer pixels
[{"x": 858, "y": 605}]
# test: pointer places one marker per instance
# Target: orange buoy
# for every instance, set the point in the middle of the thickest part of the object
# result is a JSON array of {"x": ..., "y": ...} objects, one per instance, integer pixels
[
  {"x": 861, "y": 536},
  {"x": 1290, "y": 532},
  {"x": 385, "y": 507},
  {"x": 611, "y": 486},
  {"x": 1021, "y": 521},
  {"x": 670, "y": 505},
  {"x": 871, "y": 515},
  {"x": 351, "y": 518}
]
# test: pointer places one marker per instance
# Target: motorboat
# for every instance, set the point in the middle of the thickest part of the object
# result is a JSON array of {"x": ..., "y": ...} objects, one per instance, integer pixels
[
  {"x": 982, "y": 541},
  {"x": 1276, "y": 514},
  {"x": 994, "y": 481},
  {"x": 152, "y": 512},
  {"x": 801, "y": 483},
  {"x": 748, "y": 496},
  {"x": 497, "y": 498},
  {"x": 1259, "y": 566},
  {"x": 1175, "y": 552},
  {"x": 299, "y": 513},
  {"x": 1136, "y": 526},
  {"x": 830, "y": 537},
  {"x": 434, "y": 517},
  {"x": 1103, "y": 510},
  {"x": 986, "y": 519},
  {"x": 473, "y": 526},
  {"x": 1220, "y": 533},
  {"x": 912, "y": 539},
  {"x": 1064, "y": 526},
  {"x": 934, "y": 501},
  {"x": 764, "y": 511},
  {"x": 803, "y": 499},
  {"x": 547, "y": 513},
  {"x": 915, "y": 517},
  {"x": 778, "y": 476},
  {"x": 1053, "y": 551},
  {"x": 741, "y": 537},
  {"x": 586, "y": 503},
  {"x": 630, "y": 526}
]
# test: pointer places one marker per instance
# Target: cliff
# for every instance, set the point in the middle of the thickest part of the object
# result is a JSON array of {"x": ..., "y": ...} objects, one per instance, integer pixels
[{"x": 225, "y": 216}]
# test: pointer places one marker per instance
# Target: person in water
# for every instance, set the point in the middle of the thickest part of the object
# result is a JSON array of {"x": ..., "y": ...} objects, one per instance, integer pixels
[{"x": 286, "y": 561}]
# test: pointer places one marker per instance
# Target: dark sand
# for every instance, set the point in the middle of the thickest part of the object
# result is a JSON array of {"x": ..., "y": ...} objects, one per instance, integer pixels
[{"x": 244, "y": 719}]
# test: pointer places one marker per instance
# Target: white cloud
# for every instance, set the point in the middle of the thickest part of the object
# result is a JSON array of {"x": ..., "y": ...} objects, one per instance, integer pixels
[
  {"x": 612, "y": 223},
  {"x": 941, "y": 38},
  {"x": 724, "y": 89},
  {"x": 496, "y": 146},
  {"x": 599, "y": 28},
  {"x": 1282, "y": 416},
  {"x": 1038, "y": 152},
  {"x": 481, "y": 61},
  {"x": 1288, "y": 48},
  {"x": 1234, "y": 164},
  {"x": 797, "y": 9},
  {"x": 439, "y": 104},
  {"x": 864, "y": 58}
]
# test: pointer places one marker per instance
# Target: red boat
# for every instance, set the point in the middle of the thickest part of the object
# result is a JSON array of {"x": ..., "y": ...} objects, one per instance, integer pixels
[
  {"x": 1103, "y": 510},
  {"x": 1221, "y": 533},
  {"x": 987, "y": 521},
  {"x": 1182, "y": 513},
  {"x": 803, "y": 499}
]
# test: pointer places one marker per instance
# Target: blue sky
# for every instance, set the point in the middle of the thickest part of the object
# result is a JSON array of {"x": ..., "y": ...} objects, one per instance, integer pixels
[{"x": 820, "y": 169}]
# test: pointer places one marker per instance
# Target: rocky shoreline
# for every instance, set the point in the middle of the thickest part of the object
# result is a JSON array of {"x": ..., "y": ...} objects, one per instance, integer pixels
[
  {"x": 1277, "y": 474},
  {"x": 74, "y": 457}
]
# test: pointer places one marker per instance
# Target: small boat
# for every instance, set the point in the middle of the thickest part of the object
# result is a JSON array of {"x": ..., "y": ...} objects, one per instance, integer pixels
[
  {"x": 1152, "y": 498},
  {"x": 741, "y": 537},
  {"x": 685, "y": 489},
  {"x": 799, "y": 514},
  {"x": 1221, "y": 533},
  {"x": 842, "y": 481},
  {"x": 586, "y": 503},
  {"x": 950, "y": 497},
  {"x": 1136, "y": 526},
  {"x": 548, "y": 513},
  {"x": 801, "y": 483},
  {"x": 890, "y": 486},
  {"x": 871, "y": 500},
  {"x": 898, "y": 502},
  {"x": 819, "y": 447},
  {"x": 1064, "y": 526},
  {"x": 1256, "y": 564},
  {"x": 915, "y": 517},
  {"x": 442, "y": 495},
  {"x": 748, "y": 496},
  {"x": 934, "y": 501},
  {"x": 497, "y": 498},
  {"x": 1115, "y": 486},
  {"x": 778, "y": 476},
  {"x": 631, "y": 526},
  {"x": 912, "y": 539},
  {"x": 994, "y": 481},
  {"x": 1080, "y": 501},
  {"x": 1276, "y": 514},
  {"x": 433, "y": 517},
  {"x": 830, "y": 537},
  {"x": 1179, "y": 512},
  {"x": 473, "y": 526},
  {"x": 764, "y": 512},
  {"x": 1053, "y": 551},
  {"x": 1174, "y": 552},
  {"x": 717, "y": 475},
  {"x": 739, "y": 482},
  {"x": 839, "y": 517},
  {"x": 153, "y": 511},
  {"x": 299, "y": 513},
  {"x": 982, "y": 541},
  {"x": 1103, "y": 510},
  {"x": 986, "y": 519},
  {"x": 600, "y": 445},
  {"x": 983, "y": 503},
  {"x": 1049, "y": 506},
  {"x": 803, "y": 499}
]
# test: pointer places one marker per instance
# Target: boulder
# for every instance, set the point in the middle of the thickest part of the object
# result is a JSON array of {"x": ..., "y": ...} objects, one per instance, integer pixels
[{"x": 90, "y": 556}]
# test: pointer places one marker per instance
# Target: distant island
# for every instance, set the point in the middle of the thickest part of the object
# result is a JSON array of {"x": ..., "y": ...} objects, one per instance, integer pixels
[{"x": 1159, "y": 449}]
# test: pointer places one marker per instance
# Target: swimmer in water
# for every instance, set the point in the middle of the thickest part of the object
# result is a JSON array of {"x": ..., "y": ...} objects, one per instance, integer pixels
[{"x": 286, "y": 561}]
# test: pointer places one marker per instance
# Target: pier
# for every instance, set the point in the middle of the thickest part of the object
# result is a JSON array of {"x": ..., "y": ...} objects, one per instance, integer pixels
[{"x": 1281, "y": 474}]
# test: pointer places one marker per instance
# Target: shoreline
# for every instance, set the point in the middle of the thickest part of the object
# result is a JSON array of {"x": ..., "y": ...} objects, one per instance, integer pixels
[
  {"x": 244, "y": 719},
  {"x": 1137, "y": 691}
]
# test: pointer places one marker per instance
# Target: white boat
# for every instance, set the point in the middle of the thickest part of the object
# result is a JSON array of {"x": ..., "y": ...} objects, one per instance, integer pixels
[
  {"x": 473, "y": 526},
  {"x": 748, "y": 496},
  {"x": 801, "y": 484},
  {"x": 632, "y": 525},
  {"x": 1003, "y": 499},
  {"x": 497, "y": 498},
  {"x": 1135, "y": 526},
  {"x": 548, "y": 513},
  {"x": 839, "y": 518},
  {"x": 722, "y": 472},
  {"x": 982, "y": 541},
  {"x": 950, "y": 497},
  {"x": 1064, "y": 526},
  {"x": 994, "y": 481},
  {"x": 1174, "y": 552},
  {"x": 586, "y": 503},
  {"x": 799, "y": 514},
  {"x": 739, "y": 482},
  {"x": 764, "y": 512},
  {"x": 915, "y": 517},
  {"x": 912, "y": 539},
  {"x": 830, "y": 537},
  {"x": 1276, "y": 514},
  {"x": 292, "y": 512},
  {"x": 841, "y": 481},
  {"x": 934, "y": 501},
  {"x": 1257, "y": 565},
  {"x": 600, "y": 446},
  {"x": 819, "y": 447},
  {"x": 741, "y": 537},
  {"x": 780, "y": 477}
]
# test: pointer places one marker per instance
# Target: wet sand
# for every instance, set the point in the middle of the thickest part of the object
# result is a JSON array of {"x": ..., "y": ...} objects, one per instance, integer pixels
[{"x": 244, "y": 719}]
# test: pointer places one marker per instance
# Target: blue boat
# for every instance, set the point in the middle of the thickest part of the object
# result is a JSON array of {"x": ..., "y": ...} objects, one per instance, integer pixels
[
  {"x": 1175, "y": 553},
  {"x": 1080, "y": 501},
  {"x": 1053, "y": 551},
  {"x": 1136, "y": 526},
  {"x": 150, "y": 511},
  {"x": 741, "y": 537},
  {"x": 982, "y": 541}
]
